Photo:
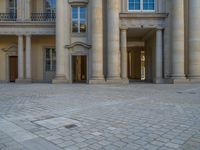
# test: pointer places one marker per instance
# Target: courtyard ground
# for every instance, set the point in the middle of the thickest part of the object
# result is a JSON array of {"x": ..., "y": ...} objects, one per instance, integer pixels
[{"x": 99, "y": 117}]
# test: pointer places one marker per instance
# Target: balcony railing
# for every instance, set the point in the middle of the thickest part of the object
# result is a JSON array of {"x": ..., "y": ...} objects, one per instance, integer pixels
[
  {"x": 49, "y": 17},
  {"x": 8, "y": 17}
]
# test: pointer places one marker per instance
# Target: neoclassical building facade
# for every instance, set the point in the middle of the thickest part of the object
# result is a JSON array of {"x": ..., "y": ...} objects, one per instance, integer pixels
[{"x": 100, "y": 41}]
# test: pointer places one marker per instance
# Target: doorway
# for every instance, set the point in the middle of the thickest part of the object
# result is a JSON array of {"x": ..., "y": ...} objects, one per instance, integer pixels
[
  {"x": 136, "y": 64},
  {"x": 13, "y": 68},
  {"x": 79, "y": 69},
  {"x": 49, "y": 64}
]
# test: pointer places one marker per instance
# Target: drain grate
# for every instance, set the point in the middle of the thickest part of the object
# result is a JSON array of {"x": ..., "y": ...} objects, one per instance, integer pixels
[{"x": 69, "y": 126}]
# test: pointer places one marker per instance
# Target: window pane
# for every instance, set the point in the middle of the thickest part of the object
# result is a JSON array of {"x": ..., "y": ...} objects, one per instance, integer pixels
[
  {"x": 82, "y": 13},
  {"x": 74, "y": 26},
  {"x": 148, "y": 5},
  {"x": 82, "y": 26},
  {"x": 48, "y": 65},
  {"x": 48, "y": 54},
  {"x": 75, "y": 12},
  {"x": 50, "y": 6},
  {"x": 134, "y": 5}
]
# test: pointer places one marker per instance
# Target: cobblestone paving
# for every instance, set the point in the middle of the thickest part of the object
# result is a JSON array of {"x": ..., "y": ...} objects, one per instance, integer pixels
[{"x": 99, "y": 117}]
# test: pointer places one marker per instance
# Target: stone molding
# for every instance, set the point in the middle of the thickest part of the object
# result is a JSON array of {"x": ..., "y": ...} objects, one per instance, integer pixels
[
  {"x": 143, "y": 15},
  {"x": 78, "y": 44},
  {"x": 78, "y": 1}
]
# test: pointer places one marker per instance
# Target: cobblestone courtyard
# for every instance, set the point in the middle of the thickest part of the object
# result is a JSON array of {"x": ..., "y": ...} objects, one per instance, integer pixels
[{"x": 99, "y": 117}]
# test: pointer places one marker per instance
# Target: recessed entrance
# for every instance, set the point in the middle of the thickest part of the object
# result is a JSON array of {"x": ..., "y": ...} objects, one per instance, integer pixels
[
  {"x": 13, "y": 68},
  {"x": 136, "y": 64},
  {"x": 141, "y": 45},
  {"x": 79, "y": 69}
]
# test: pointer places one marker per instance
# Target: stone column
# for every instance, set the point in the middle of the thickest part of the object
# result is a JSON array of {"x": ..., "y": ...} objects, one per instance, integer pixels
[
  {"x": 27, "y": 6},
  {"x": 20, "y": 59},
  {"x": 20, "y": 9},
  {"x": 178, "y": 71},
  {"x": 28, "y": 58},
  {"x": 60, "y": 43},
  {"x": 194, "y": 40},
  {"x": 124, "y": 54},
  {"x": 113, "y": 50},
  {"x": 159, "y": 57},
  {"x": 97, "y": 41}
]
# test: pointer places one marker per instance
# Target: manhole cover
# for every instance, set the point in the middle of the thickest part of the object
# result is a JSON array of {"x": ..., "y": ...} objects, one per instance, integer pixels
[{"x": 69, "y": 126}]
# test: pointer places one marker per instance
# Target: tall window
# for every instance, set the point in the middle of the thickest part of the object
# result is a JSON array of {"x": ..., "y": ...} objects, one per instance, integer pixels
[
  {"x": 141, "y": 5},
  {"x": 50, "y": 64},
  {"x": 50, "y": 6},
  {"x": 79, "y": 19},
  {"x": 12, "y": 6}
]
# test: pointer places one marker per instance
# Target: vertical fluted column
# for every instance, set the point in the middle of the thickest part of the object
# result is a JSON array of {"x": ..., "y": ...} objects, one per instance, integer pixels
[
  {"x": 28, "y": 57},
  {"x": 178, "y": 58},
  {"x": 124, "y": 53},
  {"x": 113, "y": 50},
  {"x": 20, "y": 58},
  {"x": 194, "y": 39},
  {"x": 159, "y": 57},
  {"x": 97, "y": 41},
  {"x": 60, "y": 42}
]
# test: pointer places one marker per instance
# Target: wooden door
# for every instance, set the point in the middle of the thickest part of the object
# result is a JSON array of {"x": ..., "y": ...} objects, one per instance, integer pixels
[
  {"x": 13, "y": 61},
  {"x": 134, "y": 64},
  {"x": 79, "y": 69}
]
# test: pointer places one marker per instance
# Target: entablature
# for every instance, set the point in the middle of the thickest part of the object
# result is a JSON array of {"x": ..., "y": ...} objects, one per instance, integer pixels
[
  {"x": 36, "y": 28},
  {"x": 143, "y": 20}
]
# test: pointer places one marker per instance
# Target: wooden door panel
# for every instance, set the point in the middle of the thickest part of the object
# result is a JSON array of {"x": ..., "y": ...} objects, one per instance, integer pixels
[{"x": 13, "y": 61}]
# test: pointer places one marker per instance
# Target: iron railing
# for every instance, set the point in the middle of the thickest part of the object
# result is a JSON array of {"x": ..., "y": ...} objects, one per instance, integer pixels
[
  {"x": 49, "y": 17},
  {"x": 8, "y": 16}
]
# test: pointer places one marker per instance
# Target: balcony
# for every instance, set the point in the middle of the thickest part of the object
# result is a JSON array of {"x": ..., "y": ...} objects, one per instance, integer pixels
[
  {"x": 8, "y": 17},
  {"x": 43, "y": 17}
]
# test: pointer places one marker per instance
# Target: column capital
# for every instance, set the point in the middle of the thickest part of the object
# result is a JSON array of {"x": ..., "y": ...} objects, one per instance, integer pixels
[
  {"x": 28, "y": 35},
  {"x": 123, "y": 28},
  {"x": 159, "y": 28}
]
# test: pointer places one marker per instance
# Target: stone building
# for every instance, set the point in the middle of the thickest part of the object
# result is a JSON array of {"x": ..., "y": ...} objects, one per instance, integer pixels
[{"x": 100, "y": 41}]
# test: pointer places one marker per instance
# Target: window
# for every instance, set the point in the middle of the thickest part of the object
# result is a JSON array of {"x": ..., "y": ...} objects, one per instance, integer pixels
[
  {"x": 141, "y": 5},
  {"x": 79, "y": 16},
  {"x": 12, "y": 6},
  {"x": 50, "y": 6},
  {"x": 50, "y": 64}
]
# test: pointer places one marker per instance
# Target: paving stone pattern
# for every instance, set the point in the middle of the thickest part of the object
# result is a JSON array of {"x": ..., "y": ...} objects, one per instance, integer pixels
[{"x": 99, "y": 117}]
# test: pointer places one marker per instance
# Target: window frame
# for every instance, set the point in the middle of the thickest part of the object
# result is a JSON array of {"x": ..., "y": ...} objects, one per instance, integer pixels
[
  {"x": 51, "y": 59},
  {"x": 14, "y": 8},
  {"x": 141, "y": 7},
  {"x": 79, "y": 19}
]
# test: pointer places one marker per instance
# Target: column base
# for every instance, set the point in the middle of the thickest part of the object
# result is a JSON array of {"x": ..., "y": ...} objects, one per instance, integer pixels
[
  {"x": 181, "y": 80},
  {"x": 60, "y": 80},
  {"x": 162, "y": 81},
  {"x": 116, "y": 80},
  {"x": 97, "y": 81},
  {"x": 23, "y": 81},
  {"x": 195, "y": 79}
]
